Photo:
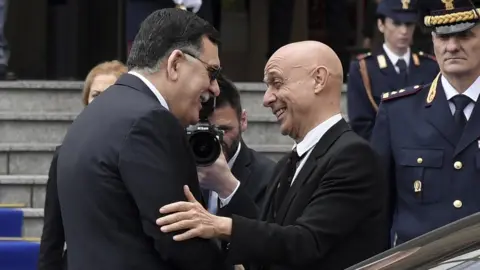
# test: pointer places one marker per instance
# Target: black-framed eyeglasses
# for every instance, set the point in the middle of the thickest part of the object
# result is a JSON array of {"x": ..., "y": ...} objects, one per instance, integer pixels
[{"x": 213, "y": 71}]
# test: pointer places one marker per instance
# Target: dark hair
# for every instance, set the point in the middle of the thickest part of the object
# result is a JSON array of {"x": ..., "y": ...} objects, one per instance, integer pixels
[
  {"x": 229, "y": 95},
  {"x": 166, "y": 30}
]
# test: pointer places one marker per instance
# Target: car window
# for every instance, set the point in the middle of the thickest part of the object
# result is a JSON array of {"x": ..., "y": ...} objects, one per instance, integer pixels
[{"x": 469, "y": 260}]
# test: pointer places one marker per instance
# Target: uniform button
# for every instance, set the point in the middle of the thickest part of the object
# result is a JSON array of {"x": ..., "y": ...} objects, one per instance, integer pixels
[
  {"x": 419, "y": 160},
  {"x": 457, "y": 203},
  {"x": 457, "y": 165}
]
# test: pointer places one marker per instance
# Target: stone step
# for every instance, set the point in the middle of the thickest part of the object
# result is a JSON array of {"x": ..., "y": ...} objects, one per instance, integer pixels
[
  {"x": 35, "y": 158},
  {"x": 41, "y": 96},
  {"x": 28, "y": 190},
  {"x": 26, "y": 158},
  {"x": 52, "y": 127},
  {"x": 32, "y": 222},
  {"x": 65, "y": 97}
]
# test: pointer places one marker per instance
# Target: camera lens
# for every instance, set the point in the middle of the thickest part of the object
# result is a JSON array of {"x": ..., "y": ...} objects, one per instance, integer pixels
[{"x": 206, "y": 148}]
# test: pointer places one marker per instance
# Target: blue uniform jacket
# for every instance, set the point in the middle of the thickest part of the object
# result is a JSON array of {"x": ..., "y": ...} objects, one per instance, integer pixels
[
  {"x": 382, "y": 78},
  {"x": 434, "y": 173}
]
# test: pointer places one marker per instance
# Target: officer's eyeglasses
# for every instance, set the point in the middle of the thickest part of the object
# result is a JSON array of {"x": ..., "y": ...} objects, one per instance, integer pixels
[{"x": 213, "y": 70}]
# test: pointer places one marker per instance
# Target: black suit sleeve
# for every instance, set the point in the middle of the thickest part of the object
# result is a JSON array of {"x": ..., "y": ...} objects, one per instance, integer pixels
[
  {"x": 350, "y": 181},
  {"x": 155, "y": 163},
  {"x": 53, "y": 237}
]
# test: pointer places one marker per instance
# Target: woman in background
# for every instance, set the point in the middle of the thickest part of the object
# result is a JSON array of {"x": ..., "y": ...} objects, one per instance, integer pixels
[{"x": 53, "y": 255}]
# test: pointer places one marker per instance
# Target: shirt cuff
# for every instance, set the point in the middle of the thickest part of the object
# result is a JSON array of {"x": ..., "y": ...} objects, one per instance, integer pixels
[{"x": 224, "y": 202}]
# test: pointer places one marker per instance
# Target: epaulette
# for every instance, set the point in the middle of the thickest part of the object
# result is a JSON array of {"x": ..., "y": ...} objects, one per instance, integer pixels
[
  {"x": 401, "y": 93},
  {"x": 363, "y": 55},
  {"x": 426, "y": 55}
]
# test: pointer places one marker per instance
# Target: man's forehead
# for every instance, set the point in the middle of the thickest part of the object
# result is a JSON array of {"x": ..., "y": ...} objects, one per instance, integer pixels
[{"x": 210, "y": 53}]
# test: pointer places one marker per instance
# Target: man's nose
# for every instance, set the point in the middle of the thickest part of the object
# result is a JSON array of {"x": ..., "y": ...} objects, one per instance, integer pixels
[
  {"x": 268, "y": 98},
  {"x": 452, "y": 44},
  {"x": 403, "y": 28},
  {"x": 215, "y": 88}
]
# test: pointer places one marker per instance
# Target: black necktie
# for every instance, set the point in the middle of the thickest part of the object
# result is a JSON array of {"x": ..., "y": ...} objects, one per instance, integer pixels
[
  {"x": 286, "y": 178},
  {"x": 460, "y": 102},
  {"x": 402, "y": 67}
]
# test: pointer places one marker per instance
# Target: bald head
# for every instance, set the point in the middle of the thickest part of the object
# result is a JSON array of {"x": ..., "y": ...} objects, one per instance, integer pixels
[
  {"x": 310, "y": 55},
  {"x": 304, "y": 86}
]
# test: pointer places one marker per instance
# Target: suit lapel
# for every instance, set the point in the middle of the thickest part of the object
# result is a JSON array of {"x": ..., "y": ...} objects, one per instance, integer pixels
[
  {"x": 471, "y": 132},
  {"x": 438, "y": 114},
  {"x": 269, "y": 194},
  {"x": 292, "y": 193},
  {"x": 318, "y": 151},
  {"x": 240, "y": 168}
]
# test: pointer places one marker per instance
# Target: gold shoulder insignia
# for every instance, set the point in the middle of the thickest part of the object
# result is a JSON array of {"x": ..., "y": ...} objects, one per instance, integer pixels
[
  {"x": 363, "y": 55},
  {"x": 382, "y": 61},
  {"x": 401, "y": 93},
  {"x": 426, "y": 55}
]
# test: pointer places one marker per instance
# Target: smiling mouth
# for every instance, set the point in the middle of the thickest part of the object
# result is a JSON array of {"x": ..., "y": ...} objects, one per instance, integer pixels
[{"x": 279, "y": 112}]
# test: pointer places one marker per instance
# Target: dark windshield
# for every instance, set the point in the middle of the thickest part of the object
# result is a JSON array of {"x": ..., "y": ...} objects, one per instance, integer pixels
[{"x": 455, "y": 246}]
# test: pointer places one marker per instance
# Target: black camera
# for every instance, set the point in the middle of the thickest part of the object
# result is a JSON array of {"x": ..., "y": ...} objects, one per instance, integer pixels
[{"x": 204, "y": 138}]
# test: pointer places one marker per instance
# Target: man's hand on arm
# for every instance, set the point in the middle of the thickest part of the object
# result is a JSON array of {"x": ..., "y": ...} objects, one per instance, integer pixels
[{"x": 194, "y": 218}]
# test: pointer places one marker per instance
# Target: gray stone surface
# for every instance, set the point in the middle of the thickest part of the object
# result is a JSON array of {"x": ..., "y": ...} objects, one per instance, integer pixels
[
  {"x": 52, "y": 127},
  {"x": 33, "y": 222},
  {"x": 26, "y": 159},
  {"x": 28, "y": 190},
  {"x": 35, "y": 159}
]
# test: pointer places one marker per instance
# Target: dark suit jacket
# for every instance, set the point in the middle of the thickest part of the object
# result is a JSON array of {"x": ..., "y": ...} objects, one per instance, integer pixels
[
  {"x": 123, "y": 158},
  {"x": 254, "y": 172},
  {"x": 333, "y": 216},
  {"x": 51, "y": 256}
]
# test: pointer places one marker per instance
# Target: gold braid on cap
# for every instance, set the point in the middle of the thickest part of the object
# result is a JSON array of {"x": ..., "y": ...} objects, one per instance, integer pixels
[{"x": 458, "y": 17}]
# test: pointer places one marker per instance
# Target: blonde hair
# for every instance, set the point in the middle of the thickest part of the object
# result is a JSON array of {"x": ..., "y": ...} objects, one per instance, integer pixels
[{"x": 115, "y": 68}]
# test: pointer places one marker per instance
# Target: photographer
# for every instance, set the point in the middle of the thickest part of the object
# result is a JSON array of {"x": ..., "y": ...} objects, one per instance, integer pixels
[
  {"x": 252, "y": 169},
  {"x": 127, "y": 153}
]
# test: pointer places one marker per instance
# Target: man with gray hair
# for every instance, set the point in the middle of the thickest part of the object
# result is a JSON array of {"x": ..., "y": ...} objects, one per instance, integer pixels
[{"x": 127, "y": 154}]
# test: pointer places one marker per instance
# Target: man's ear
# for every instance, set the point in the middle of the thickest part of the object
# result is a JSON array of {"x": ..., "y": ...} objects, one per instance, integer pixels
[
  {"x": 380, "y": 25},
  {"x": 173, "y": 63},
  {"x": 243, "y": 121},
  {"x": 321, "y": 75}
]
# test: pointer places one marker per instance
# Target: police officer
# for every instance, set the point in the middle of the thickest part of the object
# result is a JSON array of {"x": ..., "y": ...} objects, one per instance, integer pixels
[
  {"x": 429, "y": 135},
  {"x": 392, "y": 67}
]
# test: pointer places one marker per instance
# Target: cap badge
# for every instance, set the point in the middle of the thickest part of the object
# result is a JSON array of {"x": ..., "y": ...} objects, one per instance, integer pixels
[
  {"x": 448, "y": 4},
  {"x": 405, "y": 4}
]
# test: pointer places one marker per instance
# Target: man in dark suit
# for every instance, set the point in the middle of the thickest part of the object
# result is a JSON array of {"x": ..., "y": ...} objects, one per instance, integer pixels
[
  {"x": 393, "y": 67},
  {"x": 429, "y": 135},
  {"x": 252, "y": 169},
  {"x": 52, "y": 255},
  {"x": 126, "y": 154},
  {"x": 325, "y": 208}
]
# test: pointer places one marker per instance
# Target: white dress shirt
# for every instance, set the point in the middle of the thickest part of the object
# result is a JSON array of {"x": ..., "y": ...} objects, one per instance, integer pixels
[
  {"x": 306, "y": 146},
  {"x": 152, "y": 88},
  {"x": 212, "y": 201},
  {"x": 472, "y": 92},
  {"x": 394, "y": 58}
]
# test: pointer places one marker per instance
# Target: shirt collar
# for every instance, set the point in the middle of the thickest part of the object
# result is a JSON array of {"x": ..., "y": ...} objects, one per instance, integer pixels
[
  {"x": 472, "y": 92},
  {"x": 232, "y": 160},
  {"x": 314, "y": 135},
  {"x": 394, "y": 58},
  {"x": 152, "y": 88}
]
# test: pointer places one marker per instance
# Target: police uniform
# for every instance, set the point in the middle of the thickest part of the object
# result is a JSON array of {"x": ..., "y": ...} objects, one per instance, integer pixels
[
  {"x": 373, "y": 74},
  {"x": 431, "y": 145}
]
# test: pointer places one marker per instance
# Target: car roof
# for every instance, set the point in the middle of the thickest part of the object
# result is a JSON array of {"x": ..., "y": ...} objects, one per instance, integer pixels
[{"x": 427, "y": 248}]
